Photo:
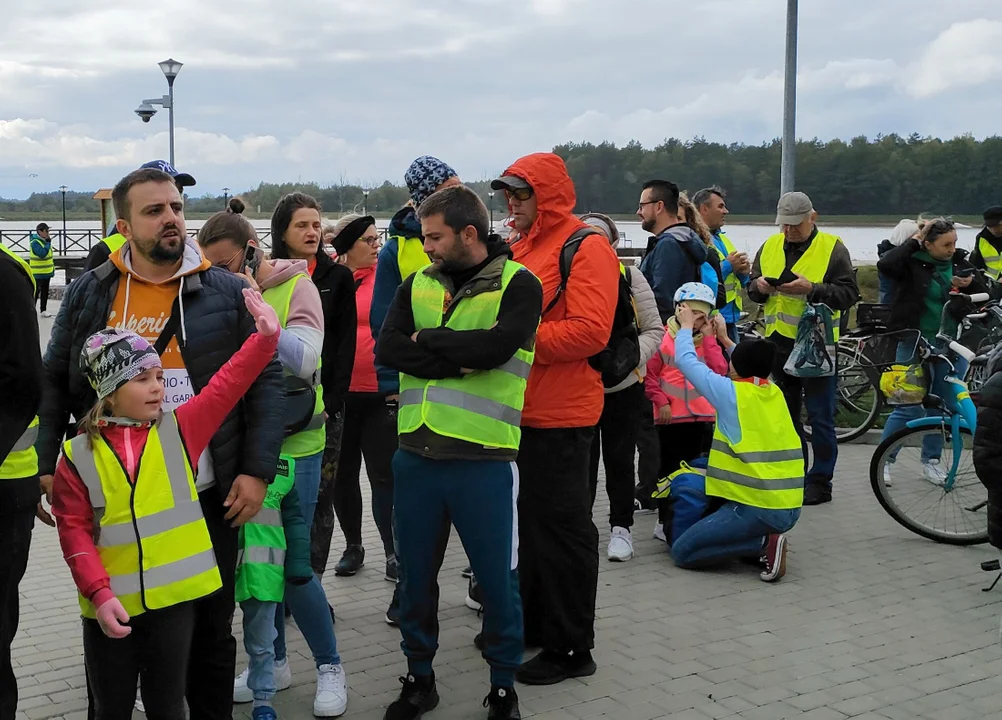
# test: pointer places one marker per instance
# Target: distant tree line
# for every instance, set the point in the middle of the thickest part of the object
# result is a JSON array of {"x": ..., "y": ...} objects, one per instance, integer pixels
[{"x": 888, "y": 175}]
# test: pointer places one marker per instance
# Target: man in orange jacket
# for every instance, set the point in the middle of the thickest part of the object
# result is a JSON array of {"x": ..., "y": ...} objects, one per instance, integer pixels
[{"x": 558, "y": 542}]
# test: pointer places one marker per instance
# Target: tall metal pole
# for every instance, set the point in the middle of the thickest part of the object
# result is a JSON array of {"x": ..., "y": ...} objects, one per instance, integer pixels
[
  {"x": 62, "y": 249},
  {"x": 789, "y": 162},
  {"x": 170, "y": 117},
  {"x": 490, "y": 196}
]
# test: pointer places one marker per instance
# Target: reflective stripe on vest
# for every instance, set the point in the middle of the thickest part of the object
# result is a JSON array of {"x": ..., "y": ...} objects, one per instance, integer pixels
[
  {"x": 691, "y": 404},
  {"x": 993, "y": 261},
  {"x": 783, "y": 312},
  {"x": 731, "y": 283},
  {"x": 150, "y": 535},
  {"x": 411, "y": 256},
  {"x": 262, "y": 542},
  {"x": 22, "y": 460},
  {"x": 482, "y": 407},
  {"x": 312, "y": 439},
  {"x": 765, "y": 468},
  {"x": 263, "y": 555}
]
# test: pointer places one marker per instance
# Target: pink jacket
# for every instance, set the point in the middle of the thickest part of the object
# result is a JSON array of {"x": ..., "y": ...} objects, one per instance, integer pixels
[{"x": 665, "y": 384}]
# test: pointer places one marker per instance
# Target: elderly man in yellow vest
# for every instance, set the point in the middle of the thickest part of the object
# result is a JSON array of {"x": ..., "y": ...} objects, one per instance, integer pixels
[
  {"x": 21, "y": 393},
  {"x": 798, "y": 266},
  {"x": 461, "y": 332}
]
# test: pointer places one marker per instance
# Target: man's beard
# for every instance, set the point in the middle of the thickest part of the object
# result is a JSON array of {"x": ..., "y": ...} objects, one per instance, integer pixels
[
  {"x": 158, "y": 254},
  {"x": 648, "y": 225}
]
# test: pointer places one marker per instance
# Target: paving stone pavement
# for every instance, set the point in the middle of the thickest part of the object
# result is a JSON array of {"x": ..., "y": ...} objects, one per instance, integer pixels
[{"x": 871, "y": 622}]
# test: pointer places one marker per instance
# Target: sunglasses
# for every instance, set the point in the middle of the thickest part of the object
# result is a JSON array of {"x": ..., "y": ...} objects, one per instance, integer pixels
[{"x": 520, "y": 194}]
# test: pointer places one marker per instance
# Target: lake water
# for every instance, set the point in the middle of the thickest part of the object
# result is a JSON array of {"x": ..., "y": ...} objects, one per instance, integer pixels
[{"x": 862, "y": 240}]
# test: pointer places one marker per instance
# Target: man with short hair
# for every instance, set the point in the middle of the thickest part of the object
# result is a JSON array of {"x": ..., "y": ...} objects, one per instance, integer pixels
[
  {"x": 734, "y": 266},
  {"x": 100, "y": 253},
  {"x": 558, "y": 541},
  {"x": 159, "y": 286},
  {"x": 675, "y": 254},
  {"x": 798, "y": 266},
  {"x": 987, "y": 254},
  {"x": 461, "y": 333},
  {"x": 42, "y": 265}
]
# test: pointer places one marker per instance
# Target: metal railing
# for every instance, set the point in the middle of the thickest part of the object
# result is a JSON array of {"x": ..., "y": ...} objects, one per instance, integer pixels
[{"x": 79, "y": 242}]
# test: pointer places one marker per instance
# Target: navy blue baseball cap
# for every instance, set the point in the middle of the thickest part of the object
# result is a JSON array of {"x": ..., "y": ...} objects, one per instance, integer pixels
[{"x": 182, "y": 179}]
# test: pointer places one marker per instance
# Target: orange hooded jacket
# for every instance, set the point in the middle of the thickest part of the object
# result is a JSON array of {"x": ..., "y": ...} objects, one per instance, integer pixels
[{"x": 564, "y": 391}]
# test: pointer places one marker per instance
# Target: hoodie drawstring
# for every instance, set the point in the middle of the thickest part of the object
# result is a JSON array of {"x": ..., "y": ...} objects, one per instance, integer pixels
[
  {"x": 125, "y": 312},
  {"x": 180, "y": 305}
]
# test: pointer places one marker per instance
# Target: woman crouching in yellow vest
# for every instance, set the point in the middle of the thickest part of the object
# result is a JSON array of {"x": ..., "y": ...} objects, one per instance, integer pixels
[
  {"x": 756, "y": 464},
  {"x": 129, "y": 519}
]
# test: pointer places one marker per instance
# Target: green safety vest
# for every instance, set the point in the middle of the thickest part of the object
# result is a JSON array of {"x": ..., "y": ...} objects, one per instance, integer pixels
[
  {"x": 41, "y": 266},
  {"x": 151, "y": 536},
  {"x": 483, "y": 407},
  {"x": 783, "y": 312},
  {"x": 732, "y": 284},
  {"x": 993, "y": 261},
  {"x": 313, "y": 439},
  {"x": 261, "y": 558},
  {"x": 765, "y": 469},
  {"x": 411, "y": 256},
  {"x": 22, "y": 461},
  {"x": 114, "y": 242}
]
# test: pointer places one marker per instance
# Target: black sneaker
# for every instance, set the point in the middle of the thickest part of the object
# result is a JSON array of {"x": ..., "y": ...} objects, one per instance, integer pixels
[
  {"x": 474, "y": 600},
  {"x": 468, "y": 572},
  {"x": 552, "y": 666},
  {"x": 418, "y": 696},
  {"x": 503, "y": 704},
  {"x": 478, "y": 641},
  {"x": 351, "y": 562},
  {"x": 392, "y": 569},
  {"x": 815, "y": 494},
  {"x": 393, "y": 612}
]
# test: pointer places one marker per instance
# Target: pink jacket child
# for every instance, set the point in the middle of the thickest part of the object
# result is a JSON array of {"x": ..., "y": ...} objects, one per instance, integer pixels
[{"x": 666, "y": 386}]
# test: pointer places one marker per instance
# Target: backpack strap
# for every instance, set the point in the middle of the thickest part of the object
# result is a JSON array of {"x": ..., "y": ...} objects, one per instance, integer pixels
[{"x": 567, "y": 253}]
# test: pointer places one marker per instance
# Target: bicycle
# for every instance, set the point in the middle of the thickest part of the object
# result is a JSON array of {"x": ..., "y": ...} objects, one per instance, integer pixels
[{"x": 945, "y": 502}]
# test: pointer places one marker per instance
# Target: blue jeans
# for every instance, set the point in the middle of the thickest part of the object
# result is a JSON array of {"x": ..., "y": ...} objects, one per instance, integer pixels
[
  {"x": 818, "y": 396},
  {"x": 308, "y": 602},
  {"x": 259, "y": 642},
  {"x": 733, "y": 531}
]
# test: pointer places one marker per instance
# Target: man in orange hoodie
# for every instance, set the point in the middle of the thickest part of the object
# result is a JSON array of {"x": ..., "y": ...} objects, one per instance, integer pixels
[{"x": 558, "y": 542}]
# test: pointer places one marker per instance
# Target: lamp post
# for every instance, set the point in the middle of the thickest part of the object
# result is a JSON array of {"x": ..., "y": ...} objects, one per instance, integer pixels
[
  {"x": 789, "y": 160},
  {"x": 226, "y": 197},
  {"x": 490, "y": 197},
  {"x": 365, "y": 202},
  {"x": 62, "y": 243},
  {"x": 146, "y": 111}
]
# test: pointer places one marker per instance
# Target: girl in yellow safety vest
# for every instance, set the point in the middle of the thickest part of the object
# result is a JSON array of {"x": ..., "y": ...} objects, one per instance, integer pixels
[{"x": 129, "y": 519}]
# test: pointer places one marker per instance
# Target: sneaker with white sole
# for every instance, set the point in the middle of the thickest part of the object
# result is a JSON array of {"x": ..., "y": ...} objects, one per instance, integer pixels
[
  {"x": 933, "y": 473},
  {"x": 46, "y": 314},
  {"x": 887, "y": 473},
  {"x": 659, "y": 533},
  {"x": 775, "y": 558},
  {"x": 283, "y": 681},
  {"x": 139, "y": 705},
  {"x": 620, "y": 545},
  {"x": 332, "y": 692},
  {"x": 474, "y": 597}
]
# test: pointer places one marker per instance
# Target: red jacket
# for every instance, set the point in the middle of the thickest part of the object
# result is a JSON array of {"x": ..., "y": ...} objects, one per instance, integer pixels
[
  {"x": 363, "y": 373},
  {"x": 564, "y": 391},
  {"x": 198, "y": 419}
]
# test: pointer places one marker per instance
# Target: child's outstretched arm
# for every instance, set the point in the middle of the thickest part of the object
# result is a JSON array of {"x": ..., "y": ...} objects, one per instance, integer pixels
[{"x": 201, "y": 416}]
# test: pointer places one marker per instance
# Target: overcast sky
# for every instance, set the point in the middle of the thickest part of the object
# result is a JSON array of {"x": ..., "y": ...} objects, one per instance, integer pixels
[{"x": 320, "y": 90}]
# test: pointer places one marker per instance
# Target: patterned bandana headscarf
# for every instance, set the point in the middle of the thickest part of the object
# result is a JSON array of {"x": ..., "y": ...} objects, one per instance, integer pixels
[
  {"x": 424, "y": 175},
  {"x": 111, "y": 357}
]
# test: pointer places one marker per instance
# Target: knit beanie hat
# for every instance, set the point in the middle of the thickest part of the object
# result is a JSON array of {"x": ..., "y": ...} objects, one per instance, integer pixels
[
  {"x": 603, "y": 223},
  {"x": 112, "y": 357},
  {"x": 346, "y": 234},
  {"x": 753, "y": 358},
  {"x": 424, "y": 175}
]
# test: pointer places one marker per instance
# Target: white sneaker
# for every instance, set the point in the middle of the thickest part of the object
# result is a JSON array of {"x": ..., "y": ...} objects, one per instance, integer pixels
[
  {"x": 47, "y": 314},
  {"x": 887, "y": 474},
  {"x": 332, "y": 692},
  {"x": 139, "y": 704},
  {"x": 933, "y": 473},
  {"x": 283, "y": 681},
  {"x": 620, "y": 545},
  {"x": 659, "y": 533}
]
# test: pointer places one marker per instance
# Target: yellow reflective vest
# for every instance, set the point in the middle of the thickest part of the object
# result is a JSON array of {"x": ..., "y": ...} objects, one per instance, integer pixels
[
  {"x": 22, "y": 461},
  {"x": 150, "y": 535},
  {"x": 765, "y": 468},
  {"x": 732, "y": 284},
  {"x": 411, "y": 256},
  {"x": 783, "y": 312},
  {"x": 42, "y": 266},
  {"x": 993, "y": 261},
  {"x": 483, "y": 407},
  {"x": 115, "y": 241}
]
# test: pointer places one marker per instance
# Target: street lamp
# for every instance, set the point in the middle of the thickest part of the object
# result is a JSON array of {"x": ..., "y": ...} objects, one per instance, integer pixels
[
  {"x": 146, "y": 111},
  {"x": 490, "y": 197},
  {"x": 365, "y": 202},
  {"x": 226, "y": 197},
  {"x": 62, "y": 244}
]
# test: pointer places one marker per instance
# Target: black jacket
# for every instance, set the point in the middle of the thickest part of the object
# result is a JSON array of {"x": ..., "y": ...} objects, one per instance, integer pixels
[
  {"x": 337, "y": 295},
  {"x": 20, "y": 377},
  {"x": 988, "y": 453},
  {"x": 441, "y": 352},
  {"x": 216, "y": 325},
  {"x": 97, "y": 256},
  {"x": 911, "y": 278}
]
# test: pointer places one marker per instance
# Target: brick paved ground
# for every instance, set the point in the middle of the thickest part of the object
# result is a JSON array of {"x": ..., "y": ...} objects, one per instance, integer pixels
[{"x": 871, "y": 622}]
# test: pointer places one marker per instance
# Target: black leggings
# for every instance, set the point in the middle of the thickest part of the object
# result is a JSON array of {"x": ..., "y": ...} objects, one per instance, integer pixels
[
  {"x": 42, "y": 291},
  {"x": 370, "y": 432}
]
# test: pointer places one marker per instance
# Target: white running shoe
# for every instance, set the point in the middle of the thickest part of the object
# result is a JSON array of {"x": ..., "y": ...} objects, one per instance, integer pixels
[
  {"x": 933, "y": 473},
  {"x": 139, "y": 704},
  {"x": 659, "y": 533},
  {"x": 887, "y": 474},
  {"x": 620, "y": 545},
  {"x": 283, "y": 681},
  {"x": 47, "y": 314},
  {"x": 332, "y": 692}
]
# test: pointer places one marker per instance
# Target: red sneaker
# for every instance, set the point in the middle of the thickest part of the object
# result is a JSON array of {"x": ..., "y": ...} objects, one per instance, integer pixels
[{"x": 775, "y": 558}]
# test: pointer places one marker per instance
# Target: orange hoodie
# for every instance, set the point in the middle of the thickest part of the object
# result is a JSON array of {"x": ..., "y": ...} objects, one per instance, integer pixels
[{"x": 564, "y": 391}]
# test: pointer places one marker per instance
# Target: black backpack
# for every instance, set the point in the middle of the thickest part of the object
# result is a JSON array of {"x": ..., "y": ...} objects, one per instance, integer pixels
[{"x": 621, "y": 355}]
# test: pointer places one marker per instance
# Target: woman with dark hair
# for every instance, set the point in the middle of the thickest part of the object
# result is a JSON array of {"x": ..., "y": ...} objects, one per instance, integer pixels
[{"x": 230, "y": 242}]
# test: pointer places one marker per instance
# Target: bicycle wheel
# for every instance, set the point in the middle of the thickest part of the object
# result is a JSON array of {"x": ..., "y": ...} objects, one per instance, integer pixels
[
  {"x": 915, "y": 495},
  {"x": 858, "y": 402}
]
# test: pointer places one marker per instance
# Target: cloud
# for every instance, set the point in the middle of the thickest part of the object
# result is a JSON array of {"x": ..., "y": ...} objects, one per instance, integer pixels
[{"x": 966, "y": 54}]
